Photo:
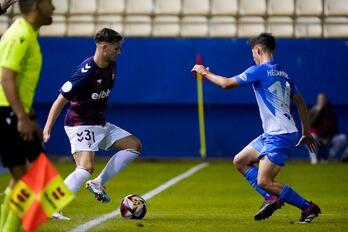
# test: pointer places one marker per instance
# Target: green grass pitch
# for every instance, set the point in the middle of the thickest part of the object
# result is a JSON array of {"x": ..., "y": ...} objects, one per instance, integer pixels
[{"x": 216, "y": 198}]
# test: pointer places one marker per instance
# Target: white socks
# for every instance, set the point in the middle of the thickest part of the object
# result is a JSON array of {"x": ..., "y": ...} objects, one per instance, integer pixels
[
  {"x": 76, "y": 179},
  {"x": 117, "y": 163}
]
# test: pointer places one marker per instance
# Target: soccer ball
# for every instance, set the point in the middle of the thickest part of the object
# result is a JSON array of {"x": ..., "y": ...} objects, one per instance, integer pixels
[{"x": 133, "y": 207}]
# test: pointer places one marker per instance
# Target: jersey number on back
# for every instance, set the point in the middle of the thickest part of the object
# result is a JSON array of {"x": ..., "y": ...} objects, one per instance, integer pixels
[{"x": 282, "y": 94}]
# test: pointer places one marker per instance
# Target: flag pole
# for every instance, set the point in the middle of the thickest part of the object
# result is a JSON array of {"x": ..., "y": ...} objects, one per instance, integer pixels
[{"x": 200, "y": 102}]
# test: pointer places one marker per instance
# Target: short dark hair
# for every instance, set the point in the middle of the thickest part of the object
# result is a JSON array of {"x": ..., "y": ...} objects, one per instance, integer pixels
[
  {"x": 107, "y": 35},
  {"x": 266, "y": 40},
  {"x": 25, "y": 5}
]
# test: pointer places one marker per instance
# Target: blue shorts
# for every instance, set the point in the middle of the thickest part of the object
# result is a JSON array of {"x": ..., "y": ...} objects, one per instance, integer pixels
[{"x": 275, "y": 147}]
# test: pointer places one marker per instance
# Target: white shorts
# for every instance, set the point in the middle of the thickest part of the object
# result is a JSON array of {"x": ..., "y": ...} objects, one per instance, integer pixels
[{"x": 93, "y": 138}]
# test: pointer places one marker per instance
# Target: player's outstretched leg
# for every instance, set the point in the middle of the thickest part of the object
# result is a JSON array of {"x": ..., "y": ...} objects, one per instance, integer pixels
[
  {"x": 129, "y": 149},
  {"x": 268, "y": 207},
  {"x": 116, "y": 163},
  {"x": 98, "y": 190}
]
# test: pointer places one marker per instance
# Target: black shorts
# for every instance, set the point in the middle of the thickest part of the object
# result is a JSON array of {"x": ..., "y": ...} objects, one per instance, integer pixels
[{"x": 13, "y": 149}]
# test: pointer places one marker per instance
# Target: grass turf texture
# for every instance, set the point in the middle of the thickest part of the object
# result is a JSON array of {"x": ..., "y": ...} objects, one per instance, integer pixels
[{"x": 216, "y": 198}]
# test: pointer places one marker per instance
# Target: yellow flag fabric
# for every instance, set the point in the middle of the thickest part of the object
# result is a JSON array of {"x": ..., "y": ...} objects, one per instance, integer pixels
[{"x": 39, "y": 194}]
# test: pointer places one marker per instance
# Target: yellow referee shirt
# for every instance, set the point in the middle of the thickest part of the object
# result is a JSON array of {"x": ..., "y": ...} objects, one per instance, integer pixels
[{"x": 20, "y": 52}]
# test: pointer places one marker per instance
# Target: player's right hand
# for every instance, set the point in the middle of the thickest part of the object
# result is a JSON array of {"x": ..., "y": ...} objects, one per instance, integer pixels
[
  {"x": 25, "y": 128},
  {"x": 200, "y": 69},
  {"x": 310, "y": 141},
  {"x": 46, "y": 135}
]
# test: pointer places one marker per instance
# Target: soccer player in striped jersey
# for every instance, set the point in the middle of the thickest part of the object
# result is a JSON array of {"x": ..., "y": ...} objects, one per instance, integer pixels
[
  {"x": 88, "y": 91},
  {"x": 274, "y": 89}
]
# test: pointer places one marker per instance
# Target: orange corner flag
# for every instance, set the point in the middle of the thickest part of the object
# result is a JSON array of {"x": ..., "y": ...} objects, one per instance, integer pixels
[{"x": 39, "y": 194}]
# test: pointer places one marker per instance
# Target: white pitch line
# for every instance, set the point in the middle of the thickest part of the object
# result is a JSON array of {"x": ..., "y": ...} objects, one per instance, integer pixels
[{"x": 90, "y": 224}]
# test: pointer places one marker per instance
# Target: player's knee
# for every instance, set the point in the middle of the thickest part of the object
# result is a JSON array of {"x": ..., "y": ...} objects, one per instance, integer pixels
[
  {"x": 135, "y": 145},
  {"x": 238, "y": 163},
  {"x": 263, "y": 183},
  {"x": 138, "y": 146},
  {"x": 235, "y": 162},
  {"x": 89, "y": 168}
]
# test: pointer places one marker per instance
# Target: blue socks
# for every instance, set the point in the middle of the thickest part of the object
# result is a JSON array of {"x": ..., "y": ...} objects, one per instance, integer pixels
[
  {"x": 291, "y": 197},
  {"x": 251, "y": 176},
  {"x": 287, "y": 194}
]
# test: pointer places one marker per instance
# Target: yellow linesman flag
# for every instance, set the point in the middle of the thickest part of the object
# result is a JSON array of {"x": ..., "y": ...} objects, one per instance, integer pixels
[{"x": 39, "y": 194}]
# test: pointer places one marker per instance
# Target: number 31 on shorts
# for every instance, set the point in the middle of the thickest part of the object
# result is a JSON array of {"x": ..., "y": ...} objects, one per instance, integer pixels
[{"x": 87, "y": 135}]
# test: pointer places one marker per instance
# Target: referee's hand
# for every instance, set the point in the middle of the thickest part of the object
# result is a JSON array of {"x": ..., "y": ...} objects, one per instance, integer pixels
[{"x": 26, "y": 128}]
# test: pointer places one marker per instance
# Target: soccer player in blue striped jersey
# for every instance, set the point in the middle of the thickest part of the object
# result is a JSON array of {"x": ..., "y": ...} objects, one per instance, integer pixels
[{"x": 273, "y": 89}]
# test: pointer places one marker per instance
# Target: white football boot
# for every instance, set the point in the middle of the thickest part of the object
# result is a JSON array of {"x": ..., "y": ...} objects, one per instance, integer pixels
[
  {"x": 98, "y": 190},
  {"x": 59, "y": 216}
]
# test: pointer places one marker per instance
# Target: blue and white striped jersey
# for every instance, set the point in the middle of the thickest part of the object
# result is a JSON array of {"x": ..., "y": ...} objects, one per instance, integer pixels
[{"x": 273, "y": 89}]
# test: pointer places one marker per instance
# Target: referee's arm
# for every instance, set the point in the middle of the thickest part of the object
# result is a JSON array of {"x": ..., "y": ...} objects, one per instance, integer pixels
[{"x": 8, "y": 82}]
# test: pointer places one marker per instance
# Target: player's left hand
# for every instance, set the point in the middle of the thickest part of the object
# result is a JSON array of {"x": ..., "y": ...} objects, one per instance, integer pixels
[
  {"x": 310, "y": 141},
  {"x": 5, "y": 4},
  {"x": 200, "y": 69}
]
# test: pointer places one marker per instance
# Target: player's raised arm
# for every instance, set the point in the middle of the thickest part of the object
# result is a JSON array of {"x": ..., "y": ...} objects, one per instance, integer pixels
[
  {"x": 55, "y": 110},
  {"x": 223, "y": 82},
  {"x": 306, "y": 137}
]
